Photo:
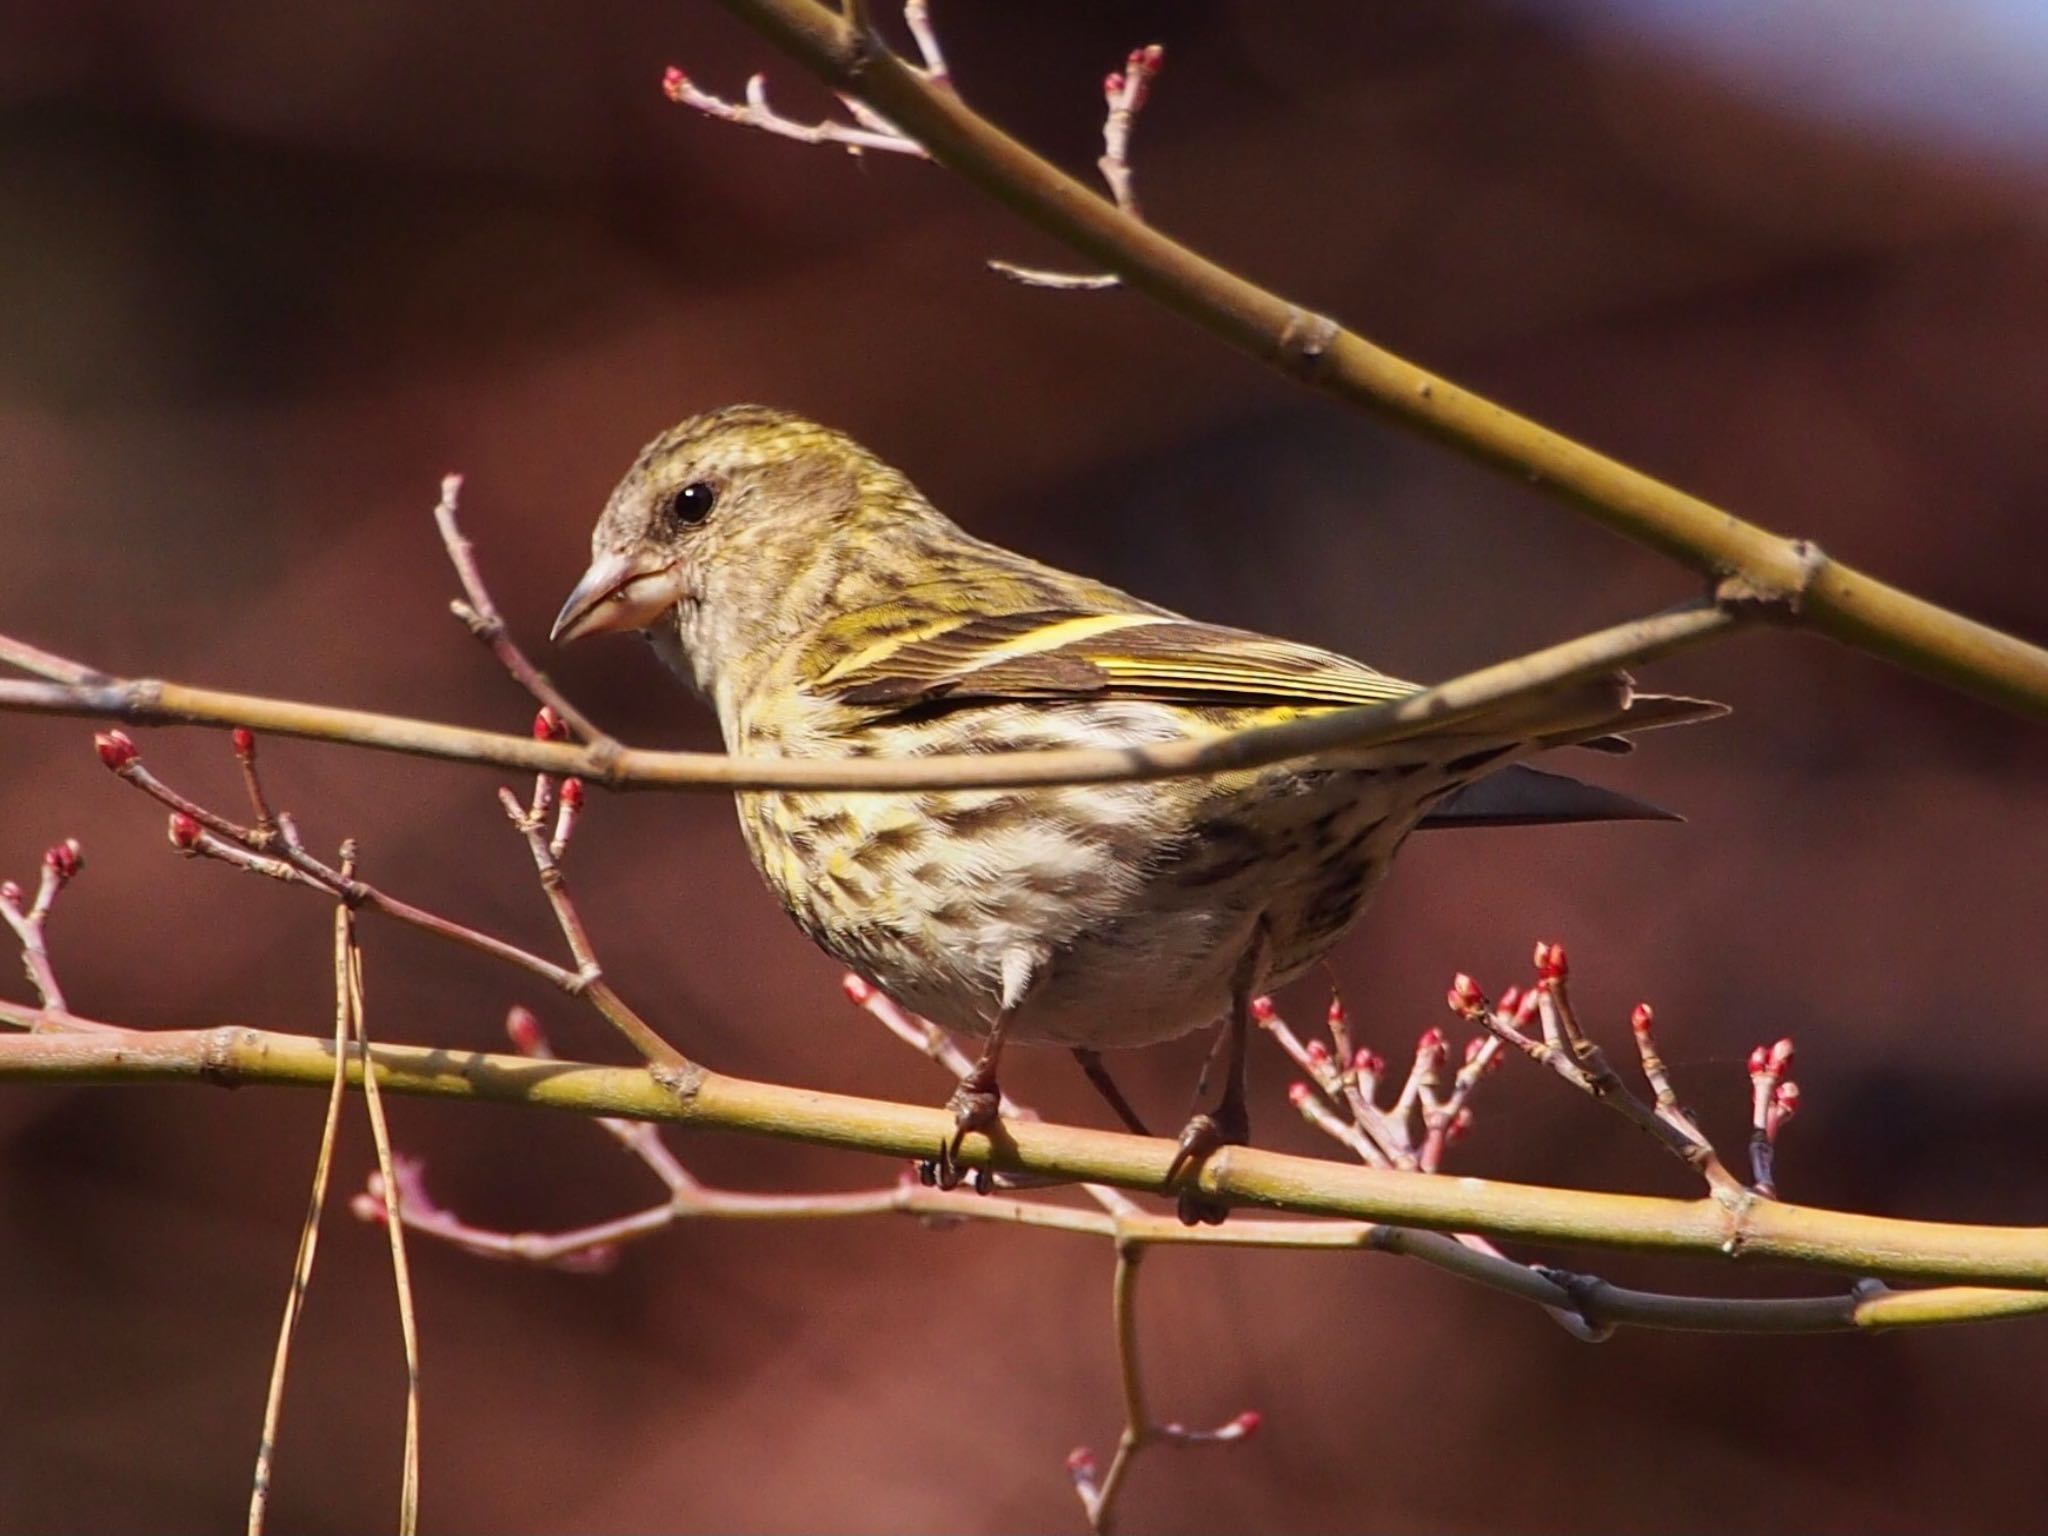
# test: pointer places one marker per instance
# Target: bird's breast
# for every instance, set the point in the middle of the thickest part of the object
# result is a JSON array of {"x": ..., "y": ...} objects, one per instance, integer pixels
[{"x": 1133, "y": 902}]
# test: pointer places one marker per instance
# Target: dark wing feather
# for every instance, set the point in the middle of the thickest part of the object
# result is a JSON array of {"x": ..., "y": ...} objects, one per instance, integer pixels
[
  {"x": 1521, "y": 796},
  {"x": 1060, "y": 654}
]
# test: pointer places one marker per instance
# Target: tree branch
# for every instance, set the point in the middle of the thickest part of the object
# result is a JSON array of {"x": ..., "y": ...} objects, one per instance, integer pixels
[
  {"x": 154, "y": 702},
  {"x": 1791, "y": 578},
  {"x": 1791, "y": 1234}
]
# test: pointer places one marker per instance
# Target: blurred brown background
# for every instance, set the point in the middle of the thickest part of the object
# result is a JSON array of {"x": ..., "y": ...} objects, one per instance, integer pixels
[{"x": 266, "y": 272}]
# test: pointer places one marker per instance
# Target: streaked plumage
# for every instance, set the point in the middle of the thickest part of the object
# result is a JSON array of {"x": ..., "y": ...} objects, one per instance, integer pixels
[{"x": 826, "y": 608}]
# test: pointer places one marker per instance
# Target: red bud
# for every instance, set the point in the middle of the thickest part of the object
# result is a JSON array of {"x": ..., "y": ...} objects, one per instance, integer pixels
[
  {"x": 1781, "y": 1056},
  {"x": 115, "y": 749},
  {"x": 1081, "y": 1464},
  {"x": 10, "y": 893},
  {"x": 1247, "y": 1423},
  {"x": 1337, "y": 1016},
  {"x": 859, "y": 991},
  {"x": 1298, "y": 1094},
  {"x": 1263, "y": 1010},
  {"x": 245, "y": 743},
  {"x": 1461, "y": 1122},
  {"x": 66, "y": 859},
  {"x": 1474, "y": 1046},
  {"x": 1759, "y": 1061},
  {"x": 524, "y": 1030},
  {"x": 547, "y": 726},
  {"x": 1431, "y": 1043},
  {"x": 1786, "y": 1099},
  {"x": 1112, "y": 85},
  {"x": 1641, "y": 1019},
  {"x": 1509, "y": 1001},
  {"x": 1465, "y": 996},
  {"x": 674, "y": 82},
  {"x": 1368, "y": 1063},
  {"x": 572, "y": 794},
  {"x": 184, "y": 832},
  {"x": 1318, "y": 1053},
  {"x": 1550, "y": 962}
]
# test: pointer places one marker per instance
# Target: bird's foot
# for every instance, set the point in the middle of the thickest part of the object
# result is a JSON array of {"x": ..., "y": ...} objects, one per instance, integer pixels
[
  {"x": 1204, "y": 1135},
  {"x": 975, "y": 1104}
]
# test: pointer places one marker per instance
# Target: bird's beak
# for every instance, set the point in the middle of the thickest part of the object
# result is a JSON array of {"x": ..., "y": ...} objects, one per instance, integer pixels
[{"x": 619, "y": 591}]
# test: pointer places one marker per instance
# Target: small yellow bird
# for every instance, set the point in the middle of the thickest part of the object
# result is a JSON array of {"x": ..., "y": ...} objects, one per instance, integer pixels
[{"x": 827, "y": 609}]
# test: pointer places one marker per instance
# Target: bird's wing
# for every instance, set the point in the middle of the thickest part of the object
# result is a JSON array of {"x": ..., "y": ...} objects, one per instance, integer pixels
[
  {"x": 1065, "y": 654},
  {"x": 1052, "y": 654}
]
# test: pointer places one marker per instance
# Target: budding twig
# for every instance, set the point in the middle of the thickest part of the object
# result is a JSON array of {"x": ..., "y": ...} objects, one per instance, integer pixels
[
  {"x": 1569, "y": 1052},
  {"x": 60, "y": 863},
  {"x": 1125, "y": 92},
  {"x": 1773, "y": 1099},
  {"x": 480, "y": 614},
  {"x": 876, "y": 133},
  {"x": 1098, "y": 1491},
  {"x": 278, "y": 853}
]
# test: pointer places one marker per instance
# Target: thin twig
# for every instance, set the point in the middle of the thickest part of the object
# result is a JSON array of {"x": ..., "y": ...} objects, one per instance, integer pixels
[
  {"x": 480, "y": 614},
  {"x": 877, "y": 134},
  {"x": 198, "y": 831},
  {"x": 1140, "y": 1429},
  {"x": 1507, "y": 683},
  {"x": 59, "y": 865},
  {"x": 1124, "y": 94},
  {"x": 349, "y": 979},
  {"x": 302, "y": 1265},
  {"x": 1567, "y": 1051}
]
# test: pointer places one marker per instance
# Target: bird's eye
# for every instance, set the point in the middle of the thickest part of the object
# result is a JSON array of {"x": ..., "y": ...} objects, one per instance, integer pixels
[{"x": 692, "y": 504}]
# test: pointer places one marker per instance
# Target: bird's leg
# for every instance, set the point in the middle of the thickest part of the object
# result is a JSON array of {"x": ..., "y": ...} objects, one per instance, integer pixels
[
  {"x": 1098, "y": 1074},
  {"x": 975, "y": 1105},
  {"x": 1229, "y": 1123},
  {"x": 978, "y": 1101}
]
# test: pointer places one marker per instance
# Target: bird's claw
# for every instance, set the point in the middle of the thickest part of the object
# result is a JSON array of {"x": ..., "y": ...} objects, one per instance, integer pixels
[
  {"x": 1203, "y": 1136},
  {"x": 975, "y": 1104}
]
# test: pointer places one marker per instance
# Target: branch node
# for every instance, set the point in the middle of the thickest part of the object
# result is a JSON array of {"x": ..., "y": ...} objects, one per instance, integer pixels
[
  {"x": 217, "y": 1057},
  {"x": 681, "y": 1081},
  {"x": 1303, "y": 341},
  {"x": 1781, "y": 593}
]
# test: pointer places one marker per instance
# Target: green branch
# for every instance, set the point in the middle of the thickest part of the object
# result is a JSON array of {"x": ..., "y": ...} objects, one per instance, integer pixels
[
  {"x": 1805, "y": 585},
  {"x": 1752, "y": 1228}
]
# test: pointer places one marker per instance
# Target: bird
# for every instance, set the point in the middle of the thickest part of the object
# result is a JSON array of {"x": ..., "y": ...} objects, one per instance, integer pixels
[{"x": 825, "y": 608}]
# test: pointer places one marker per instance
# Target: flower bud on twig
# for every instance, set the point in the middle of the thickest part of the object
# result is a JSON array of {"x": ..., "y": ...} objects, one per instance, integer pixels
[
  {"x": 115, "y": 749},
  {"x": 524, "y": 1031},
  {"x": 1465, "y": 997}
]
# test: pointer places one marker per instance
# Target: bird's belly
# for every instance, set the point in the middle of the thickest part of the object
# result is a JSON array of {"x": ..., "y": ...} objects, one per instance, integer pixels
[{"x": 1135, "y": 903}]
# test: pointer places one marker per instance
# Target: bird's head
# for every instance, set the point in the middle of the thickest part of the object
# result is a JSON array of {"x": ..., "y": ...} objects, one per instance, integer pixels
[{"x": 734, "y": 531}]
